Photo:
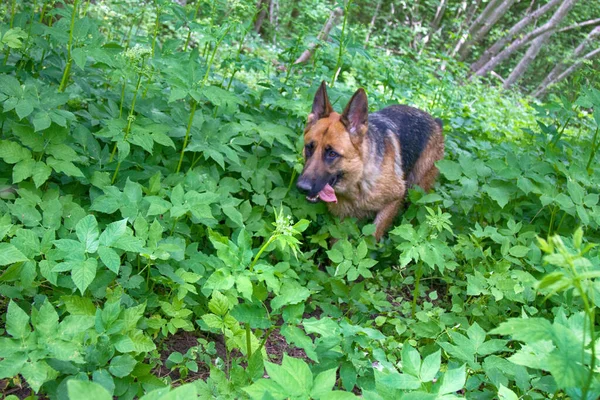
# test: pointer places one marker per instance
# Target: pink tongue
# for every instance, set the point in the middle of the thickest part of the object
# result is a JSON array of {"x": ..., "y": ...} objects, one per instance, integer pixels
[{"x": 328, "y": 194}]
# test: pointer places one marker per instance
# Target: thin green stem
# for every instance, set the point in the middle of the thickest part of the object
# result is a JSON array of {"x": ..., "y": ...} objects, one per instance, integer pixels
[
  {"x": 338, "y": 64},
  {"x": 262, "y": 249},
  {"x": 187, "y": 134},
  {"x": 418, "y": 274},
  {"x": 248, "y": 341},
  {"x": 593, "y": 151},
  {"x": 12, "y": 20},
  {"x": 156, "y": 25},
  {"x": 187, "y": 40},
  {"x": 130, "y": 119},
  {"x": 65, "y": 77}
]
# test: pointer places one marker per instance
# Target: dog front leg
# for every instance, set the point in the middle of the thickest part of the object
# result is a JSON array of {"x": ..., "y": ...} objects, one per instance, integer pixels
[{"x": 385, "y": 217}]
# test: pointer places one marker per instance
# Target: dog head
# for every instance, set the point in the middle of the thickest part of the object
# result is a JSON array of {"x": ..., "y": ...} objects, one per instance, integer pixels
[{"x": 333, "y": 147}]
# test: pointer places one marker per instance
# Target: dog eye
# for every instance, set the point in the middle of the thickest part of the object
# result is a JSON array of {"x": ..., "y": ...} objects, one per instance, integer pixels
[{"x": 332, "y": 154}]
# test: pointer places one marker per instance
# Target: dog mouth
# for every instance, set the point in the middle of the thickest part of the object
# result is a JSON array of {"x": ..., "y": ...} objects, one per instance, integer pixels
[{"x": 327, "y": 194}]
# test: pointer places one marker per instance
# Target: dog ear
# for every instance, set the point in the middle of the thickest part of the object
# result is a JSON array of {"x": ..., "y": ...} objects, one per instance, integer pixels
[
  {"x": 321, "y": 107},
  {"x": 356, "y": 114}
]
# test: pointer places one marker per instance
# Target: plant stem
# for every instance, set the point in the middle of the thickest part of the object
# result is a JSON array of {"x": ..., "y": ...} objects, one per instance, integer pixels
[
  {"x": 187, "y": 40},
  {"x": 187, "y": 134},
  {"x": 418, "y": 274},
  {"x": 262, "y": 249},
  {"x": 593, "y": 151},
  {"x": 338, "y": 64},
  {"x": 156, "y": 25},
  {"x": 65, "y": 77},
  {"x": 12, "y": 20},
  {"x": 130, "y": 119},
  {"x": 248, "y": 342}
]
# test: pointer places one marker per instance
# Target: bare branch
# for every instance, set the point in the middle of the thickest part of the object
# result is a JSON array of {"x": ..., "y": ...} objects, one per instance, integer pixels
[{"x": 331, "y": 22}]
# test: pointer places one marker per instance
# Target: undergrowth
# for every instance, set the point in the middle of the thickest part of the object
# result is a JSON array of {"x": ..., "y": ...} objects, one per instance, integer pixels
[{"x": 148, "y": 156}]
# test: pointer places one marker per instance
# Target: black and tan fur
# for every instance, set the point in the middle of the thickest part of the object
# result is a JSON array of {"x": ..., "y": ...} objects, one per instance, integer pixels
[{"x": 369, "y": 159}]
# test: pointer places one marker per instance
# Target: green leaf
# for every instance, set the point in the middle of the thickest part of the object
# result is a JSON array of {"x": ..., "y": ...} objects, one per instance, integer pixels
[
  {"x": 113, "y": 232},
  {"x": 233, "y": 214},
  {"x": 290, "y": 294},
  {"x": 430, "y": 367},
  {"x": 401, "y": 381},
  {"x": 41, "y": 121},
  {"x": 86, "y": 390},
  {"x": 335, "y": 255},
  {"x": 9, "y": 254},
  {"x": 519, "y": 251},
  {"x": 24, "y": 108},
  {"x": 505, "y": 393},
  {"x": 45, "y": 321},
  {"x": 323, "y": 383},
  {"x": 293, "y": 375},
  {"x": 84, "y": 273},
  {"x": 66, "y": 167},
  {"x": 12, "y": 152},
  {"x": 17, "y": 321},
  {"x": 110, "y": 258},
  {"x": 453, "y": 380},
  {"x": 121, "y": 366},
  {"x": 450, "y": 169},
  {"x": 36, "y": 374},
  {"x": 411, "y": 360},
  {"x": 87, "y": 232},
  {"x": 219, "y": 304},
  {"x": 527, "y": 330},
  {"x": 23, "y": 170},
  {"x": 41, "y": 172}
]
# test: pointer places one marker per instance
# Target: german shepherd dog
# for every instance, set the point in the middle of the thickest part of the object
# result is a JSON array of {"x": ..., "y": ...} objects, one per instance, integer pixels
[{"x": 362, "y": 164}]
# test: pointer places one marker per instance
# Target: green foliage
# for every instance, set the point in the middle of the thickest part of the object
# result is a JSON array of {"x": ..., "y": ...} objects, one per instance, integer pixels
[{"x": 148, "y": 155}]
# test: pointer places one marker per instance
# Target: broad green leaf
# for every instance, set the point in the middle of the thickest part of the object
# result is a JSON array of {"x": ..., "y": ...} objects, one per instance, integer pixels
[
  {"x": 41, "y": 172},
  {"x": 84, "y": 273},
  {"x": 45, "y": 321},
  {"x": 453, "y": 380},
  {"x": 12, "y": 152},
  {"x": 87, "y": 232},
  {"x": 233, "y": 214},
  {"x": 86, "y": 390},
  {"x": 122, "y": 366},
  {"x": 36, "y": 374},
  {"x": 113, "y": 232},
  {"x": 23, "y": 170},
  {"x": 450, "y": 169},
  {"x": 323, "y": 383},
  {"x": 9, "y": 254},
  {"x": 219, "y": 304},
  {"x": 293, "y": 375},
  {"x": 110, "y": 258},
  {"x": 411, "y": 360},
  {"x": 17, "y": 321},
  {"x": 505, "y": 393},
  {"x": 431, "y": 366},
  {"x": 527, "y": 330},
  {"x": 401, "y": 381}
]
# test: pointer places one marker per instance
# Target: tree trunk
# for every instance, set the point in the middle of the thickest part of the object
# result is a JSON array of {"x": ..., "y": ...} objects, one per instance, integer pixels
[
  {"x": 372, "y": 24},
  {"x": 542, "y": 90},
  {"x": 495, "y": 14},
  {"x": 475, "y": 26},
  {"x": 274, "y": 18},
  {"x": 263, "y": 6},
  {"x": 549, "y": 26},
  {"x": 561, "y": 67},
  {"x": 536, "y": 46},
  {"x": 331, "y": 22},
  {"x": 516, "y": 29},
  {"x": 433, "y": 27}
]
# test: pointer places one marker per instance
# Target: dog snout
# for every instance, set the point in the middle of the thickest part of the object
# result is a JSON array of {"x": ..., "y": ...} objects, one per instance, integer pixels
[{"x": 304, "y": 184}]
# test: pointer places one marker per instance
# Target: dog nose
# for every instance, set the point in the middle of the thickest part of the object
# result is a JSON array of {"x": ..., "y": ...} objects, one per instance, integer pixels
[{"x": 304, "y": 184}]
